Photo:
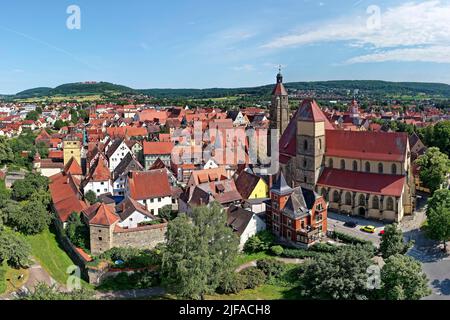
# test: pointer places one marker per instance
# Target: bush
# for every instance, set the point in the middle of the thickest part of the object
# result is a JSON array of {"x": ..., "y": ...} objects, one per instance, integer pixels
[
  {"x": 132, "y": 257},
  {"x": 272, "y": 268},
  {"x": 233, "y": 283},
  {"x": 137, "y": 280},
  {"x": 277, "y": 250},
  {"x": 262, "y": 241},
  {"x": 324, "y": 247},
  {"x": 300, "y": 253},
  {"x": 253, "y": 277},
  {"x": 348, "y": 238}
]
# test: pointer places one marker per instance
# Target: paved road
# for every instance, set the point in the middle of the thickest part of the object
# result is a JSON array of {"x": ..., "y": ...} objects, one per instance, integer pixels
[
  {"x": 130, "y": 294},
  {"x": 336, "y": 222}
]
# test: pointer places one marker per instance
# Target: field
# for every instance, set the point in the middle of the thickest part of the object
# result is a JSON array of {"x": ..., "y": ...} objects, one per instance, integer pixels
[
  {"x": 50, "y": 255},
  {"x": 87, "y": 98}
]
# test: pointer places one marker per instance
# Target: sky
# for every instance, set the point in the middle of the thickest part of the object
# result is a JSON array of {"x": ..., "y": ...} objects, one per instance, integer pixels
[{"x": 212, "y": 43}]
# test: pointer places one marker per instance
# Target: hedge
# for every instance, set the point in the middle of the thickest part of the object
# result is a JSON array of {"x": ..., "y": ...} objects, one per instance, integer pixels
[{"x": 348, "y": 238}]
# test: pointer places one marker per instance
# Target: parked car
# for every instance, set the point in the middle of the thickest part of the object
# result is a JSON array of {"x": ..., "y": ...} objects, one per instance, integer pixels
[
  {"x": 350, "y": 224},
  {"x": 381, "y": 232},
  {"x": 368, "y": 229}
]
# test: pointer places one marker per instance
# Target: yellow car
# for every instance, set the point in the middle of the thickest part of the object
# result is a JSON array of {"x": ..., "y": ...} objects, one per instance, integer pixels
[{"x": 369, "y": 229}]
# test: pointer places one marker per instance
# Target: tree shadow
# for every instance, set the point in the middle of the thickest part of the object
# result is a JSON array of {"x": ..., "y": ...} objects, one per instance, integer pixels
[{"x": 424, "y": 250}]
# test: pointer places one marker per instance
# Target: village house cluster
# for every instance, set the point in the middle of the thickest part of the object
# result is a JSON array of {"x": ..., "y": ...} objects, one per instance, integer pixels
[{"x": 139, "y": 160}]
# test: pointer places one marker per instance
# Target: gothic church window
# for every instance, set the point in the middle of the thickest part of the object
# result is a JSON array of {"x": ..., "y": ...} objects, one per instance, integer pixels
[
  {"x": 348, "y": 199},
  {"x": 375, "y": 203},
  {"x": 390, "y": 204},
  {"x": 367, "y": 166},
  {"x": 343, "y": 164},
  {"x": 394, "y": 168},
  {"x": 355, "y": 166},
  {"x": 362, "y": 200},
  {"x": 336, "y": 196},
  {"x": 380, "y": 168}
]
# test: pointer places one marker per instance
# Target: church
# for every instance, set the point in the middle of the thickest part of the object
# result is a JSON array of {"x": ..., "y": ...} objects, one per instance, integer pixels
[{"x": 361, "y": 173}]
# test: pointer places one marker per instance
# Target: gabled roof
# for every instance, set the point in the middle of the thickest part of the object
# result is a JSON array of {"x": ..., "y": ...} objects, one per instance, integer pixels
[
  {"x": 238, "y": 219},
  {"x": 149, "y": 184},
  {"x": 246, "y": 183},
  {"x": 366, "y": 145},
  {"x": 157, "y": 148},
  {"x": 100, "y": 172},
  {"x": 113, "y": 147},
  {"x": 73, "y": 167},
  {"x": 374, "y": 183},
  {"x": 158, "y": 164},
  {"x": 103, "y": 216},
  {"x": 127, "y": 207},
  {"x": 128, "y": 163}
]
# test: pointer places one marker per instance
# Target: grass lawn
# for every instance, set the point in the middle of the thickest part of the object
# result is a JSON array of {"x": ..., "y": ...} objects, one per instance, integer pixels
[
  {"x": 243, "y": 258},
  {"x": 6, "y": 272},
  {"x": 50, "y": 255},
  {"x": 264, "y": 292}
]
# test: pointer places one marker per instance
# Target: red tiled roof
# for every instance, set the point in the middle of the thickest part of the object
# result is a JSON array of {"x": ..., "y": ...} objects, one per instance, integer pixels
[
  {"x": 104, "y": 216},
  {"x": 56, "y": 154},
  {"x": 101, "y": 171},
  {"x": 374, "y": 183},
  {"x": 310, "y": 111},
  {"x": 149, "y": 184},
  {"x": 65, "y": 195},
  {"x": 156, "y": 148},
  {"x": 73, "y": 167},
  {"x": 279, "y": 90},
  {"x": 381, "y": 146}
]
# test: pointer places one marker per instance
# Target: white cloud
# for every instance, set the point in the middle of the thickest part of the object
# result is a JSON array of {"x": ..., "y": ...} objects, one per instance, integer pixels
[
  {"x": 413, "y": 24},
  {"x": 438, "y": 54},
  {"x": 245, "y": 67}
]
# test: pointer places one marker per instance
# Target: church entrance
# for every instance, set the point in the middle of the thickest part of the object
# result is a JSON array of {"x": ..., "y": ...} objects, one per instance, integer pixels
[{"x": 362, "y": 211}]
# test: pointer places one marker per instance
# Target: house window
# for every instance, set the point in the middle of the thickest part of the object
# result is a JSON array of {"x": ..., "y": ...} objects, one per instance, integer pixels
[
  {"x": 289, "y": 221},
  {"x": 367, "y": 166},
  {"x": 343, "y": 164},
  {"x": 98, "y": 190},
  {"x": 305, "y": 145},
  {"x": 380, "y": 168},
  {"x": 348, "y": 199},
  {"x": 362, "y": 200},
  {"x": 304, "y": 163},
  {"x": 336, "y": 196},
  {"x": 100, "y": 239},
  {"x": 390, "y": 204},
  {"x": 320, "y": 144},
  {"x": 289, "y": 234},
  {"x": 375, "y": 203},
  {"x": 355, "y": 166},
  {"x": 394, "y": 168}
]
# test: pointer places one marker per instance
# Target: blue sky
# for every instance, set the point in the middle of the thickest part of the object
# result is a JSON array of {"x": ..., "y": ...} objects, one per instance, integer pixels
[{"x": 206, "y": 43}]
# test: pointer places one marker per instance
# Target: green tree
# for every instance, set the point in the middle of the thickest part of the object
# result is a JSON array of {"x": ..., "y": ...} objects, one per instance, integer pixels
[
  {"x": 32, "y": 115},
  {"x": 402, "y": 278},
  {"x": 339, "y": 276},
  {"x": 23, "y": 189},
  {"x": 44, "y": 292},
  {"x": 59, "y": 124},
  {"x": 167, "y": 213},
  {"x": 91, "y": 197},
  {"x": 392, "y": 241},
  {"x": 434, "y": 167},
  {"x": 77, "y": 231},
  {"x": 6, "y": 154},
  {"x": 200, "y": 253},
  {"x": 32, "y": 218},
  {"x": 13, "y": 249},
  {"x": 438, "y": 216}
]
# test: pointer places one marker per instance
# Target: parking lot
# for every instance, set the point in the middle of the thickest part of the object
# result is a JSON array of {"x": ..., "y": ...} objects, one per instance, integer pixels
[{"x": 336, "y": 222}]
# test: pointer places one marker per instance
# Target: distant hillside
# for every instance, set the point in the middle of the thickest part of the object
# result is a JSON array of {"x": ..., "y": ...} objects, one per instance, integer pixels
[
  {"x": 368, "y": 87},
  {"x": 364, "y": 86},
  {"x": 75, "y": 89}
]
